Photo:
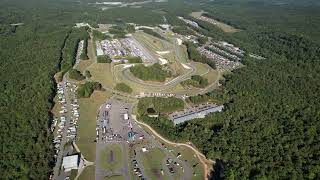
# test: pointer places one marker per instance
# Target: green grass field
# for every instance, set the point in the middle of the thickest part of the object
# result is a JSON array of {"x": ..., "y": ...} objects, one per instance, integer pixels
[
  {"x": 87, "y": 123},
  {"x": 101, "y": 72},
  {"x": 212, "y": 76},
  {"x": 152, "y": 162},
  {"x": 88, "y": 173},
  {"x": 202, "y": 69},
  {"x": 187, "y": 155},
  {"x": 111, "y": 157}
]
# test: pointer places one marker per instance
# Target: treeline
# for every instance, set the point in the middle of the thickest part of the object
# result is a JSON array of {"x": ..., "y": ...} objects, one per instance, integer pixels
[
  {"x": 183, "y": 30},
  {"x": 268, "y": 128},
  {"x": 216, "y": 96},
  {"x": 76, "y": 75},
  {"x": 123, "y": 88},
  {"x": 84, "y": 54},
  {"x": 71, "y": 47},
  {"x": 104, "y": 59},
  {"x": 196, "y": 81},
  {"x": 120, "y": 30},
  {"x": 152, "y": 33},
  {"x": 85, "y": 90},
  {"x": 29, "y": 59},
  {"x": 150, "y": 73},
  {"x": 97, "y": 35},
  {"x": 195, "y": 55},
  {"x": 133, "y": 59}
]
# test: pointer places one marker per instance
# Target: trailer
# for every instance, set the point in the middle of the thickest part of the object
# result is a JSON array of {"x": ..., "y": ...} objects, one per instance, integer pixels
[{"x": 126, "y": 116}]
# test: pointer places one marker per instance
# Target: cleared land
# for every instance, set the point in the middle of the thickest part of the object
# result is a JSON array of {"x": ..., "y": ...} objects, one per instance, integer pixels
[
  {"x": 225, "y": 27},
  {"x": 186, "y": 154},
  {"x": 87, "y": 123},
  {"x": 152, "y": 163},
  {"x": 111, "y": 157},
  {"x": 212, "y": 76},
  {"x": 202, "y": 69},
  {"x": 102, "y": 73}
]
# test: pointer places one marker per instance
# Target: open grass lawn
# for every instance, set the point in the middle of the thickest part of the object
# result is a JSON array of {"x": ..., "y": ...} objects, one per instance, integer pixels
[
  {"x": 151, "y": 42},
  {"x": 212, "y": 76},
  {"x": 111, "y": 157},
  {"x": 152, "y": 163},
  {"x": 114, "y": 178},
  {"x": 188, "y": 155},
  {"x": 202, "y": 69},
  {"x": 88, "y": 173},
  {"x": 101, "y": 72},
  {"x": 87, "y": 123},
  {"x": 83, "y": 64}
]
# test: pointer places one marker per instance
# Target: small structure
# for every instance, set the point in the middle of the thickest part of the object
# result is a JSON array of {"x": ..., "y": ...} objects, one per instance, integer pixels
[
  {"x": 126, "y": 116},
  {"x": 71, "y": 162},
  {"x": 99, "y": 49},
  {"x": 144, "y": 149}
]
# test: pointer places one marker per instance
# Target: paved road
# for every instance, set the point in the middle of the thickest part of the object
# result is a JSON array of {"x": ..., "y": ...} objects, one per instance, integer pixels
[
  {"x": 114, "y": 123},
  {"x": 64, "y": 135},
  {"x": 150, "y": 58},
  {"x": 163, "y": 86}
]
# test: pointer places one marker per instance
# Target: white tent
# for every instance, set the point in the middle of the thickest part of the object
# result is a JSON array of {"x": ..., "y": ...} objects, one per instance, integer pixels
[{"x": 71, "y": 162}]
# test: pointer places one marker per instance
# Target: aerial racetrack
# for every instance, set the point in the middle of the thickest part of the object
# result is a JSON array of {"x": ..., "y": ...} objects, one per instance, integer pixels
[{"x": 174, "y": 54}]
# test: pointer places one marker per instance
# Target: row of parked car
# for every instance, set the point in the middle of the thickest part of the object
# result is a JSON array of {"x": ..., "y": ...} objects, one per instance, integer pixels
[{"x": 136, "y": 169}]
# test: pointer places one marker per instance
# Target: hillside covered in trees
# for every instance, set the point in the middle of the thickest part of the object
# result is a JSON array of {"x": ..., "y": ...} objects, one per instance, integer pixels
[{"x": 270, "y": 126}]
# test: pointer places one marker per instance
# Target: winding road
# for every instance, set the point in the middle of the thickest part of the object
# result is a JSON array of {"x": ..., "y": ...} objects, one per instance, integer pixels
[{"x": 203, "y": 160}]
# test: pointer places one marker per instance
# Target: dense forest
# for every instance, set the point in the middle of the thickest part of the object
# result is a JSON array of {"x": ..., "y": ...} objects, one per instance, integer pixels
[
  {"x": 154, "y": 72},
  {"x": 85, "y": 90},
  {"x": 195, "y": 81},
  {"x": 123, "y": 88},
  {"x": 270, "y": 126},
  {"x": 29, "y": 59}
]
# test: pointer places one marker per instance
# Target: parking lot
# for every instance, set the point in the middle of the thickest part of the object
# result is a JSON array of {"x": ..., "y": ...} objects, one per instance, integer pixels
[{"x": 65, "y": 126}]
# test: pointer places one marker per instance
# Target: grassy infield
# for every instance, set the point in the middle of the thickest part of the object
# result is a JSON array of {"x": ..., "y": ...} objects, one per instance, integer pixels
[{"x": 89, "y": 106}]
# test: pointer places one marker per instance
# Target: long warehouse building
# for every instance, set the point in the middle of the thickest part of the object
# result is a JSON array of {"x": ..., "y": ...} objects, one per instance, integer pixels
[{"x": 200, "y": 113}]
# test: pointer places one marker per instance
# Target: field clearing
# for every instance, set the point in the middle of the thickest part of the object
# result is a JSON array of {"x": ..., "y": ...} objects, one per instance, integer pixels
[
  {"x": 111, "y": 157},
  {"x": 152, "y": 43},
  {"x": 88, "y": 173},
  {"x": 223, "y": 26},
  {"x": 189, "y": 156},
  {"x": 202, "y": 69},
  {"x": 212, "y": 76},
  {"x": 102, "y": 73},
  {"x": 83, "y": 64},
  {"x": 186, "y": 154},
  {"x": 87, "y": 123},
  {"x": 152, "y": 163}
]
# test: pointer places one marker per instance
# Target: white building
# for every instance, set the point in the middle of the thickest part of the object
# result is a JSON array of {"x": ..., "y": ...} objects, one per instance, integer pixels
[
  {"x": 99, "y": 49},
  {"x": 71, "y": 162}
]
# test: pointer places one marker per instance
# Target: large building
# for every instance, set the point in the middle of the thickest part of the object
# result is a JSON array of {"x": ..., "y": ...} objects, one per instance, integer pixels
[
  {"x": 71, "y": 162},
  {"x": 194, "y": 113}
]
